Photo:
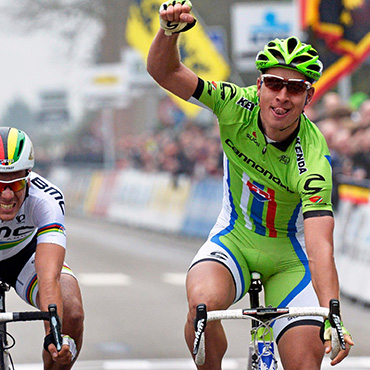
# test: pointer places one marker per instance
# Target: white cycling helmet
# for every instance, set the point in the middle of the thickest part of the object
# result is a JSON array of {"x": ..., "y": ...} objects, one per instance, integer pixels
[{"x": 16, "y": 150}]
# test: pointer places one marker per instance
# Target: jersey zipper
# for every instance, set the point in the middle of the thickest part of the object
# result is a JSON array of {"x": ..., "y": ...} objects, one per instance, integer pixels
[{"x": 264, "y": 150}]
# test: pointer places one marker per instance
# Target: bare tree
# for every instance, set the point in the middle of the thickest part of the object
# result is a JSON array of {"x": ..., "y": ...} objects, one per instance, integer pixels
[{"x": 71, "y": 19}]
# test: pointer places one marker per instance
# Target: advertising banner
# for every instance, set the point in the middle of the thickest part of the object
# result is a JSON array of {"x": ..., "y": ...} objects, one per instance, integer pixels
[
  {"x": 352, "y": 240},
  {"x": 196, "y": 48},
  {"x": 255, "y": 24}
]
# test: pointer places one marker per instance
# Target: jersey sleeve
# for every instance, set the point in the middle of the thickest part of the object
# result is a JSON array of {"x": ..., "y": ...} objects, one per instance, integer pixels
[
  {"x": 48, "y": 212},
  {"x": 226, "y": 99},
  {"x": 51, "y": 226}
]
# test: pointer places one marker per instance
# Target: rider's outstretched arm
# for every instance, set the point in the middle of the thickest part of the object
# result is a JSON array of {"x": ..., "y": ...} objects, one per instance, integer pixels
[
  {"x": 49, "y": 262},
  {"x": 163, "y": 62},
  {"x": 319, "y": 244}
]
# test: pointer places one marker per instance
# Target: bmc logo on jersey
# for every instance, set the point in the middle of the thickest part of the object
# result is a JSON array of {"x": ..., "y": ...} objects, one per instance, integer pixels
[
  {"x": 53, "y": 192},
  {"x": 258, "y": 193}
]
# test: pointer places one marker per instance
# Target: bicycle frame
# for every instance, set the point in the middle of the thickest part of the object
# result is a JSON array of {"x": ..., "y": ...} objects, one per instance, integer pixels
[
  {"x": 5, "y": 359},
  {"x": 6, "y": 362},
  {"x": 261, "y": 348}
]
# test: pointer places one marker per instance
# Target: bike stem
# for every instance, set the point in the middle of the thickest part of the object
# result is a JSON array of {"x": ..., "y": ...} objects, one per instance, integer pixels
[{"x": 254, "y": 291}]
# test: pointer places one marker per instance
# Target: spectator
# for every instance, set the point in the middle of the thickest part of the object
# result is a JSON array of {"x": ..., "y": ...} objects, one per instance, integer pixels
[
  {"x": 348, "y": 138},
  {"x": 194, "y": 150}
]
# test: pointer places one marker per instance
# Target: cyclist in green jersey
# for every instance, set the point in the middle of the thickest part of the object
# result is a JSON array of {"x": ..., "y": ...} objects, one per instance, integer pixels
[{"x": 276, "y": 217}]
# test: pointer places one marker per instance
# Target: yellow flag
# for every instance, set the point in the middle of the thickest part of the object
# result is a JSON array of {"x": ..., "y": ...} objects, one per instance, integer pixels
[{"x": 197, "y": 50}]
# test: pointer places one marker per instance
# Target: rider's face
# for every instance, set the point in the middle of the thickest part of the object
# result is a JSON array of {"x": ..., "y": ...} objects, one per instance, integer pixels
[
  {"x": 11, "y": 201},
  {"x": 280, "y": 110}
]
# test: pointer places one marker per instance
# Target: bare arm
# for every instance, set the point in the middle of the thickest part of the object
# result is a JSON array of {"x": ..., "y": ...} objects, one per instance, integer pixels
[
  {"x": 319, "y": 244},
  {"x": 48, "y": 262},
  {"x": 164, "y": 63},
  {"x": 320, "y": 250}
]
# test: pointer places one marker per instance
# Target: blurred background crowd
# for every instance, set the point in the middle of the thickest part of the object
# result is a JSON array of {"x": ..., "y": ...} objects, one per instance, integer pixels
[
  {"x": 195, "y": 150},
  {"x": 123, "y": 120},
  {"x": 346, "y": 127}
]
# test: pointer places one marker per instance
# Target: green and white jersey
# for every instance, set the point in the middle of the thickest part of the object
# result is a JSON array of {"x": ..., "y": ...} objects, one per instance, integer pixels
[{"x": 268, "y": 188}]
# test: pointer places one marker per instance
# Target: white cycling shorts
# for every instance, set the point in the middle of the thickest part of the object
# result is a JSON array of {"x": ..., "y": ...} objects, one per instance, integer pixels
[{"x": 26, "y": 285}]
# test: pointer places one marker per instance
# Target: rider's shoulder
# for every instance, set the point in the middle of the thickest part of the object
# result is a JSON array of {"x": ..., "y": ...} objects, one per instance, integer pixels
[
  {"x": 310, "y": 133},
  {"x": 42, "y": 187}
]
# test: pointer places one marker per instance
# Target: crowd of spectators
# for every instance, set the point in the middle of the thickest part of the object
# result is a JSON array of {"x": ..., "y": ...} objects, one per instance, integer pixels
[
  {"x": 195, "y": 150},
  {"x": 346, "y": 128}
]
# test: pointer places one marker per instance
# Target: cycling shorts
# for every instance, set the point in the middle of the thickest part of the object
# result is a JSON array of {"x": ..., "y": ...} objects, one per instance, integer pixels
[
  {"x": 282, "y": 263},
  {"x": 20, "y": 273}
]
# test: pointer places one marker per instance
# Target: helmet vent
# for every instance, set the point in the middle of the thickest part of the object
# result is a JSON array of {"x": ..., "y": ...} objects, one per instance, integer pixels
[
  {"x": 301, "y": 59},
  {"x": 313, "y": 53},
  {"x": 314, "y": 67},
  {"x": 292, "y": 44},
  {"x": 20, "y": 148},
  {"x": 262, "y": 57},
  {"x": 277, "y": 54}
]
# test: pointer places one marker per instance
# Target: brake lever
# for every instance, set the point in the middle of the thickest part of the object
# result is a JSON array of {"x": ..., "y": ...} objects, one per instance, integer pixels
[
  {"x": 200, "y": 323},
  {"x": 55, "y": 326},
  {"x": 335, "y": 322}
]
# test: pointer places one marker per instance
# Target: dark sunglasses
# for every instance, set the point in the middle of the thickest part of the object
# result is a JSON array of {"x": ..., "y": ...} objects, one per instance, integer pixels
[
  {"x": 14, "y": 185},
  {"x": 293, "y": 85}
]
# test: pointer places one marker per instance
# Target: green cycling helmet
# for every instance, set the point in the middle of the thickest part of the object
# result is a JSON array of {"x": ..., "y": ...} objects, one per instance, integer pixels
[{"x": 293, "y": 54}]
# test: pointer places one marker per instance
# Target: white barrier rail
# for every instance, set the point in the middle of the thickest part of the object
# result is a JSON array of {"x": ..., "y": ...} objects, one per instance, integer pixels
[
  {"x": 155, "y": 201},
  {"x": 352, "y": 239}
]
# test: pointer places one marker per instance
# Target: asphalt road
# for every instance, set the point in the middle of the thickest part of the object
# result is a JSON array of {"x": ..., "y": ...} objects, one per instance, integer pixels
[{"x": 132, "y": 283}]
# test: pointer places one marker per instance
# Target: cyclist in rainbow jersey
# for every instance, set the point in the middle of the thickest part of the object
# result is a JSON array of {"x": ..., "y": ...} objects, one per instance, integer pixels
[{"x": 33, "y": 243}]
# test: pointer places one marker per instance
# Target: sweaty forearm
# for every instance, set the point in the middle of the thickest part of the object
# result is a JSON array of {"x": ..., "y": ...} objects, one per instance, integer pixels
[
  {"x": 50, "y": 292},
  {"x": 325, "y": 279},
  {"x": 163, "y": 58},
  {"x": 165, "y": 67},
  {"x": 320, "y": 249}
]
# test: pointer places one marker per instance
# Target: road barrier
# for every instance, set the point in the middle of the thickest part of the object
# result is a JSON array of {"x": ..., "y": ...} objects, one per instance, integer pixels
[
  {"x": 160, "y": 202},
  {"x": 352, "y": 238}
]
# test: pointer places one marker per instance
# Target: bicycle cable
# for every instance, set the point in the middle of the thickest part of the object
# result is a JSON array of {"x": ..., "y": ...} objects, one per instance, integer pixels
[
  {"x": 9, "y": 346},
  {"x": 262, "y": 337},
  {"x": 7, "y": 336}
]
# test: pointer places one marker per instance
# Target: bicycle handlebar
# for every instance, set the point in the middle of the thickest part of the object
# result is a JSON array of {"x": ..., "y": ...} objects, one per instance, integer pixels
[
  {"x": 265, "y": 315},
  {"x": 51, "y": 316},
  {"x": 24, "y": 316}
]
